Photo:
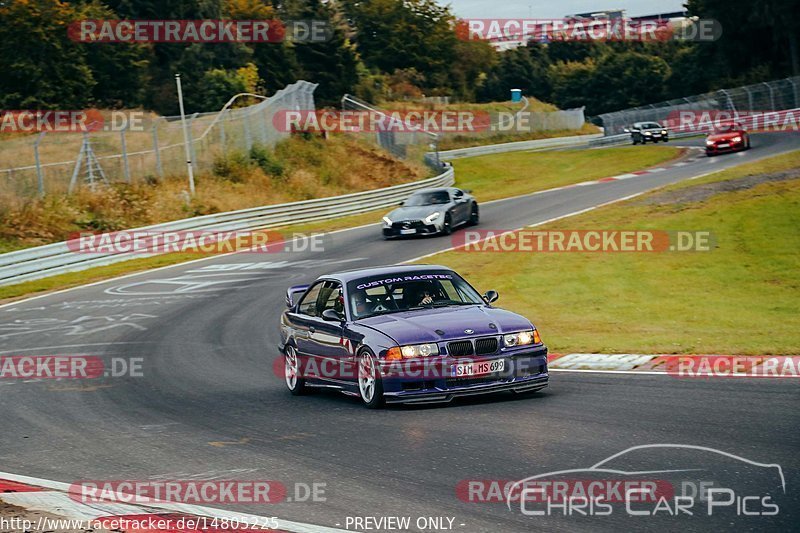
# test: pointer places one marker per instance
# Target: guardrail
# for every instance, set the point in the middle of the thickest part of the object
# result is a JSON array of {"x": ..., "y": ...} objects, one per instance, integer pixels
[
  {"x": 52, "y": 259},
  {"x": 520, "y": 146}
]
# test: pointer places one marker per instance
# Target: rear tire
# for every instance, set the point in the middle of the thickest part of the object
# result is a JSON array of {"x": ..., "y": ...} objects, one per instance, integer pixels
[
  {"x": 291, "y": 368},
  {"x": 370, "y": 386}
]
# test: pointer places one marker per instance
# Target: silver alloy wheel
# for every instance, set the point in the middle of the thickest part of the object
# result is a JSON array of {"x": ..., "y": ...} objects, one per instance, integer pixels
[
  {"x": 366, "y": 377},
  {"x": 290, "y": 368}
]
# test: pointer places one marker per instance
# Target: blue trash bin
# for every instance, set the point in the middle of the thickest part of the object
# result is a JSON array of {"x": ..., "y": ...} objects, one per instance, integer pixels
[{"x": 516, "y": 95}]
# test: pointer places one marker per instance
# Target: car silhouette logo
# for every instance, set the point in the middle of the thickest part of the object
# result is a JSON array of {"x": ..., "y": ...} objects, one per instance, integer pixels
[{"x": 469, "y": 331}]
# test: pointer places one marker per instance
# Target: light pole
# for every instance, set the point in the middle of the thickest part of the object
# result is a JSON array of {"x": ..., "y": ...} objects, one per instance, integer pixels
[{"x": 186, "y": 146}]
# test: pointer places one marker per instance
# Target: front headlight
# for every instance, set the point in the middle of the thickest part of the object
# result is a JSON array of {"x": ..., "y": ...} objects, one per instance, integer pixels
[
  {"x": 663, "y": 132},
  {"x": 709, "y": 143},
  {"x": 522, "y": 338},
  {"x": 430, "y": 219},
  {"x": 387, "y": 221},
  {"x": 412, "y": 351},
  {"x": 737, "y": 139},
  {"x": 419, "y": 350},
  {"x": 647, "y": 133}
]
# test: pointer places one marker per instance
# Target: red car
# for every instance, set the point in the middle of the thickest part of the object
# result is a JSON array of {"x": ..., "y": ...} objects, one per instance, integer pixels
[{"x": 727, "y": 137}]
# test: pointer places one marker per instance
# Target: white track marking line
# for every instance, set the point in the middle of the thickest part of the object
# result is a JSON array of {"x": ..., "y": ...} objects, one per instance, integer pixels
[
  {"x": 133, "y": 274},
  {"x": 74, "y": 346}
]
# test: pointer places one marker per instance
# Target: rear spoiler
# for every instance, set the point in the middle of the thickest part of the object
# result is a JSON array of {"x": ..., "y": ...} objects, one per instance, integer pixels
[{"x": 293, "y": 294}]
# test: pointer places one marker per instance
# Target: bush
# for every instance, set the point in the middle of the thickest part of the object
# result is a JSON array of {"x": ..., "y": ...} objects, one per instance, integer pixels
[{"x": 267, "y": 161}]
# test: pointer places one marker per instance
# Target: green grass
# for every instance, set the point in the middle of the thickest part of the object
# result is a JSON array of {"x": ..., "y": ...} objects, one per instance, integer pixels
[
  {"x": 741, "y": 298},
  {"x": 502, "y": 175},
  {"x": 454, "y": 141}
]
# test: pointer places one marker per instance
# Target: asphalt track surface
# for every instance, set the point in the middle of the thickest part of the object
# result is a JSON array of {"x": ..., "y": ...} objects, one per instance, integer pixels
[{"x": 208, "y": 405}]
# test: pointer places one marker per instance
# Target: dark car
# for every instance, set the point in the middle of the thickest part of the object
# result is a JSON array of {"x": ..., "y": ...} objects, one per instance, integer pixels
[
  {"x": 643, "y": 132},
  {"x": 727, "y": 137},
  {"x": 406, "y": 334},
  {"x": 432, "y": 212}
]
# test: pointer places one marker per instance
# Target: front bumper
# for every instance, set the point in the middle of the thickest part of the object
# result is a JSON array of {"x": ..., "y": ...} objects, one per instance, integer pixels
[
  {"x": 525, "y": 371},
  {"x": 732, "y": 147},
  {"x": 408, "y": 228}
]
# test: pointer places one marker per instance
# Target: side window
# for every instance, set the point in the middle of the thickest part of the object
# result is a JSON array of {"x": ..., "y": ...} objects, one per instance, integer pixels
[
  {"x": 331, "y": 298},
  {"x": 308, "y": 305}
]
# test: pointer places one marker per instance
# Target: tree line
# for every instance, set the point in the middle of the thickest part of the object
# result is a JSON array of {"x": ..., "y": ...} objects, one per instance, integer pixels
[{"x": 378, "y": 50}]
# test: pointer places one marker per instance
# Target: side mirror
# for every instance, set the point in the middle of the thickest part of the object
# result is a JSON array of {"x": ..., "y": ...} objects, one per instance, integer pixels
[
  {"x": 491, "y": 296},
  {"x": 401, "y": 204},
  {"x": 329, "y": 315}
]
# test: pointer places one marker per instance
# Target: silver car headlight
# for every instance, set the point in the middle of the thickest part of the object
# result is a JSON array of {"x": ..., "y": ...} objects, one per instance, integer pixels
[
  {"x": 386, "y": 221},
  {"x": 647, "y": 133},
  {"x": 521, "y": 339},
  {"x": 433, "y": 217}
]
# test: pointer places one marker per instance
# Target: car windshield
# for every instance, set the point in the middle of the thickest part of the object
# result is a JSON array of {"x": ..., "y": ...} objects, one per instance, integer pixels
[
  {"x": 725, "y": 128},
  {"x": 393, "y": 293},
  {"x": 428, "y": 198},
  {"x": 651, "y": 126}
]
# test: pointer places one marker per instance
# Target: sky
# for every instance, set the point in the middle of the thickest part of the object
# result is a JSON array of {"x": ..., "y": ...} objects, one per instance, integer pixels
[{"x": 556, "y": 8}]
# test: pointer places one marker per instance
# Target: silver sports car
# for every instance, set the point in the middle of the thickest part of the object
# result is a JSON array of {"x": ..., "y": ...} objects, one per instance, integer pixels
[{"x": 431, "y": 212}]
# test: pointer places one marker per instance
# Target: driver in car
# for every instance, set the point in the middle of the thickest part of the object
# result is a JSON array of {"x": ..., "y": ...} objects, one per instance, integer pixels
[
  {"x": 427, "y": 298},
  {"x": 360, "y": 303}
]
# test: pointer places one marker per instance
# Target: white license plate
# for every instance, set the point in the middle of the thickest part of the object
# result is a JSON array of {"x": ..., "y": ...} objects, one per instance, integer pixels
[
  {"x": 723, "y": 145},
  {"x": 478, "y": 369},
  {"x": 407, "y": 231}
]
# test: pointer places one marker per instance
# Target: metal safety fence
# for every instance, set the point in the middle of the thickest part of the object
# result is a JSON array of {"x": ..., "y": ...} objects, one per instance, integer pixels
[
  {"x": 778, "y": 95},
  {"x": 405, "y": 143},
  {"x": 141, "y": 146}
]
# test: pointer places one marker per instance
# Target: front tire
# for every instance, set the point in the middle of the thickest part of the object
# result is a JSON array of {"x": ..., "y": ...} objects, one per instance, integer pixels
[
  {"x": 447, "y": 226},
  {"x": 474, "y": 216},
  {"x": 370, "y": 386},
  {"x": 291, "y": 369}
]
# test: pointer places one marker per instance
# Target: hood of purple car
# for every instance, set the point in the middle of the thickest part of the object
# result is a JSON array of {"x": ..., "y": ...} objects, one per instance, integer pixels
[{"x": 447, "y": 323}]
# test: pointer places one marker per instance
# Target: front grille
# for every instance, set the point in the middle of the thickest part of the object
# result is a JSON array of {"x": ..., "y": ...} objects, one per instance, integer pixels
[
  {"x": 409, "y": 224},
  {"x": 460, "y": 348},
  {"x": 485, "y": 346}
]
